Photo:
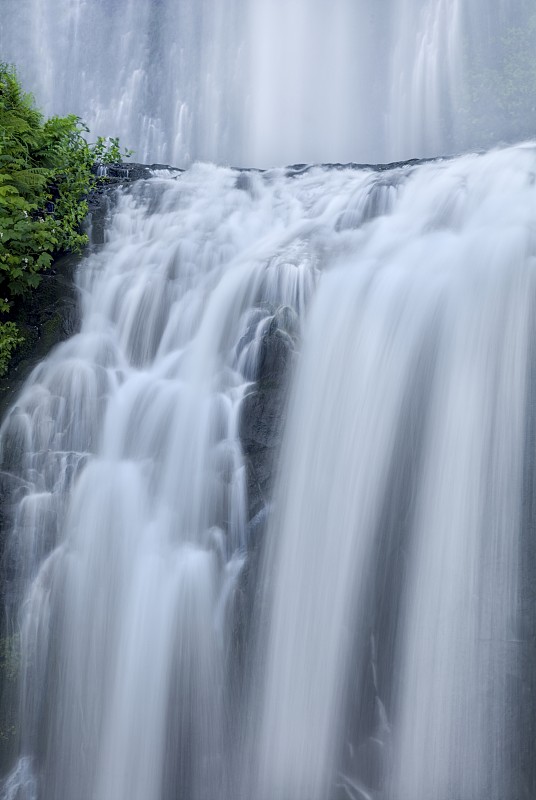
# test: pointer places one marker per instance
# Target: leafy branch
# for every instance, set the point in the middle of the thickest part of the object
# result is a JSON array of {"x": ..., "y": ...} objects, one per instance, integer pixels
[{"x": 47, "y": 170}]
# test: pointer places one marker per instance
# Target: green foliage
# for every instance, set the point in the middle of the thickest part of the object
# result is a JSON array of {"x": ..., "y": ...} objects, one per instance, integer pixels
[
  {"x": 47, "y": 169},
  {"x": 10, "y": 339},
  {"x": 108, "y": 151}
]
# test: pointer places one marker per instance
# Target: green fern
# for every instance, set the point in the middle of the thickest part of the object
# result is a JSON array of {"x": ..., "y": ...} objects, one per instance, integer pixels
[
  {"x": 46, "y": 173},
  {"x": 28, "y": 181},
  {"x": 12, "y": 124}
]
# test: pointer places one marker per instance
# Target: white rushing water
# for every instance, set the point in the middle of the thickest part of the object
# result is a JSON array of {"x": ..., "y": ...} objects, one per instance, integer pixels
[
  {"x": 384, "y": 658},
  {"x": 267, "y": 82}
]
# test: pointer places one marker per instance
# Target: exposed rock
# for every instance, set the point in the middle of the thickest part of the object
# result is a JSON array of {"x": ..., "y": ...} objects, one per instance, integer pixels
[
  {"x": 262, "y": 420},
  {"x": 264, "y": 408},
  {"x": 46, "y": 317}
]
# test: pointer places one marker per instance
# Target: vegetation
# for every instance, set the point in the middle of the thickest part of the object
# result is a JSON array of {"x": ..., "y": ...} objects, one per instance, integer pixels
[{"x": 47, "y": 169}]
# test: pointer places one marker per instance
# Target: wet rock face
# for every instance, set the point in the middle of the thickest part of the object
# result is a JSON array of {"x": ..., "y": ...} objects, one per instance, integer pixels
[
  {"x": 273, "y": 336},
  {"x": 264, "y": 407},
  {"x": 262, "y": 422},
  {"x": 46, "y": 317},
  {"x": 50, "y": 314}
]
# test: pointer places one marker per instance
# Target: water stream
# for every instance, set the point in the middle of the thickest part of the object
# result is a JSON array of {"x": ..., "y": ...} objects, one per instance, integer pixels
[{"x": 373, "y": 643}]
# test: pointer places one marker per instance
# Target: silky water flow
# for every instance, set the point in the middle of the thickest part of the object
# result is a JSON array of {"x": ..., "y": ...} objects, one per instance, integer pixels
[{"x": 388, "y": 650}]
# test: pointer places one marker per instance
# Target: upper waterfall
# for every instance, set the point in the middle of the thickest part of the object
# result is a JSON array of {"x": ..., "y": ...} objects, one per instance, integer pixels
[{"x": 267, "y": 82}]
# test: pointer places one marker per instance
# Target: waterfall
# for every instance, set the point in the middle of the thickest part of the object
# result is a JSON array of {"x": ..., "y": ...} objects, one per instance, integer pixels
[
  {"x": 266, "y": 82},
  {"x": 394, "y": 655},
  {"x": 358, "y": 628},
  {"x": 130, "y": 528}
]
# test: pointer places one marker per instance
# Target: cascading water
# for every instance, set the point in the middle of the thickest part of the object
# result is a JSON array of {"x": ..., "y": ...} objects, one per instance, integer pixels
[
  {"x": 266, "y": 82},
  {"x": 131, "y": 527},
  {"x": 393, "y": 660},
  {"x": 389, "y": 655}
]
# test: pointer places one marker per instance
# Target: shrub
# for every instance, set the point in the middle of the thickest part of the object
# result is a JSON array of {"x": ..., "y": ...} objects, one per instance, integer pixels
[{"x": 46, "y": 172}]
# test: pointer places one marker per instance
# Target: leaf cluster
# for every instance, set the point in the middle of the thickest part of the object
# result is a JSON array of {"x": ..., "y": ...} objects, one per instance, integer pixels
[{"x": 47, "y": 169}]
